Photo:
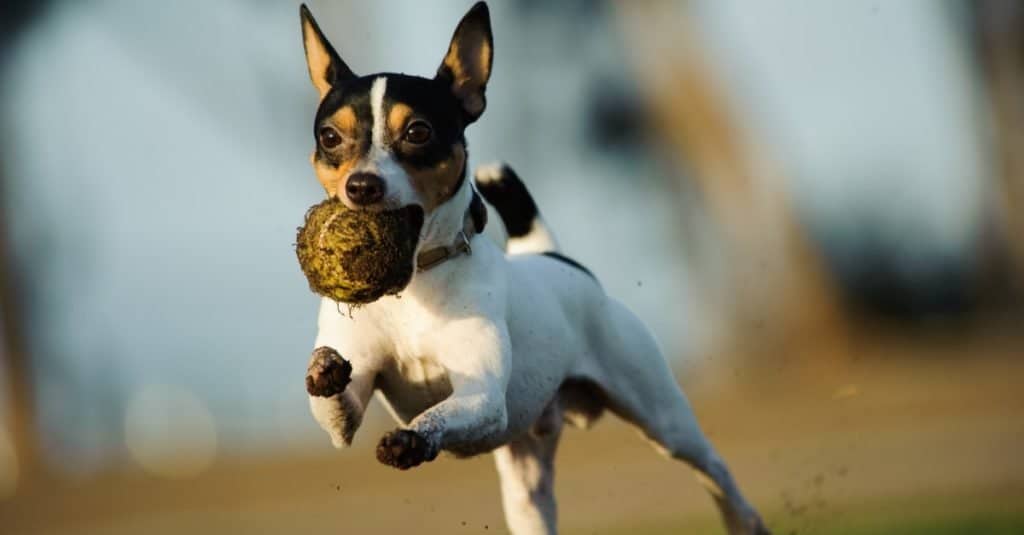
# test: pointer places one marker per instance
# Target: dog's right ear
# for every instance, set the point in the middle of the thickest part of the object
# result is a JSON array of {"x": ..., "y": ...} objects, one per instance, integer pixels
[{"x": 325, "y": 66}]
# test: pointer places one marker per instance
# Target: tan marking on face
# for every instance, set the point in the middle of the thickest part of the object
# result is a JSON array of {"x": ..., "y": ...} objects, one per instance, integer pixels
[
  {"x": 397, "y": 117},
  {"x": 345, "y": 121},
  {"x": 332, "y": 178},
  {"x": 437, "y": 185}
]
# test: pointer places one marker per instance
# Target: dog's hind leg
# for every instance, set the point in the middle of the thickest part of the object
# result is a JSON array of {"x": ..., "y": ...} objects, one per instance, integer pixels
[
  {"x": 639, "y": 387},
  {"x": 527, "y": 472}
]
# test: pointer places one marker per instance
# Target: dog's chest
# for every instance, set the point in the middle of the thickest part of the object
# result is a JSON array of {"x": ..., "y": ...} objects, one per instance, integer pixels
[
  {"x": 411, "y": 385},
  {"x": 409, "y": 332}
]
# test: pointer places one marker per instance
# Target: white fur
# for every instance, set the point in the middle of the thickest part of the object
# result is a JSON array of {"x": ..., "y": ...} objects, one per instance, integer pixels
[
  {"x": 399, "y": 185},
  {"x": 377, "y": 90},
  {"x": 538, "y": 240},
  {"x": 489, "y": 172},
  {"x": 473, "y": 352}
]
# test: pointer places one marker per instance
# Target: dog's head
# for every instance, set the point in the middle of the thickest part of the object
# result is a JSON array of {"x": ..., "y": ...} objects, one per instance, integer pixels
[{"x": 385, "y": 140}]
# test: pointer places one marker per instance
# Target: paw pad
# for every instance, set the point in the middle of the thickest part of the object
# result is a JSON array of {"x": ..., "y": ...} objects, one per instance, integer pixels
[
  {"x": 404, "y": 449},
  {"x": 328, "y": 374}
]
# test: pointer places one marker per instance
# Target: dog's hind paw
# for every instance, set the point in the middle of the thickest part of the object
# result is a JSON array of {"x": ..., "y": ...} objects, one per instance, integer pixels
[
  {"x": 328, "y": 373},
  {"x": 752, "y": 525},
  {"x": 404, "y": 449}
]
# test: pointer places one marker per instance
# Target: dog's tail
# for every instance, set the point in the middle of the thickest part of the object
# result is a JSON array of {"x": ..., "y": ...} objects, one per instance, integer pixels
[{"x": 527, "y": 232}]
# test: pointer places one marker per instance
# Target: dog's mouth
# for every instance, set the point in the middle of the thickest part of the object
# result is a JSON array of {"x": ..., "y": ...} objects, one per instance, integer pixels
[{"x": 358, "y": 256}]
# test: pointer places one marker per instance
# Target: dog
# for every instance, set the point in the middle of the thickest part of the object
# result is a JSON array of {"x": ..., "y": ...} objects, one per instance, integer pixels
[{"x": 485, "y": 350}]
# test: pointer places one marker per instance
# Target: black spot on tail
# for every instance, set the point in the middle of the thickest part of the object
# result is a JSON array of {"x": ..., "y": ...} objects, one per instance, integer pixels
[
  {"x": 565, "y": 259},
  {"x": 509, "y": 197}
]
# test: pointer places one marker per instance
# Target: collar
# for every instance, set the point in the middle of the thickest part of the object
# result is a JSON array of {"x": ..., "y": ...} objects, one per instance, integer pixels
[{"x": 473, "y": 222}]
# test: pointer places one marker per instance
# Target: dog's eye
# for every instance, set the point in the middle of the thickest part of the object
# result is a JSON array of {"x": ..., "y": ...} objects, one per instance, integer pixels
[
  {"x": 329, "y": 137},
  {"x": 418, "y": 133}
]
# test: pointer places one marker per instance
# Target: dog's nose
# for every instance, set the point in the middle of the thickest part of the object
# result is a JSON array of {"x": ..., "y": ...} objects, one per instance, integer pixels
[{"x": 364, "y": 188}]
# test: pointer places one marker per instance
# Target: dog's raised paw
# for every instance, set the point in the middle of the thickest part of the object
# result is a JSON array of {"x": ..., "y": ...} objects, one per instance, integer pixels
[
  {"x": 328, "y": 374},
  {"x": 403, "y": 449}
]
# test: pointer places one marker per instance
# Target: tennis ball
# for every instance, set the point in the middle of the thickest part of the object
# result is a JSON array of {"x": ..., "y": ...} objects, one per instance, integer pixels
[{"x": 357, "y": 256}]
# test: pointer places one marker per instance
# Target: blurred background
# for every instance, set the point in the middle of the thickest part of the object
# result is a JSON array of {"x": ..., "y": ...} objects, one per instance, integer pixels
[{"x": 817, "y": 206}]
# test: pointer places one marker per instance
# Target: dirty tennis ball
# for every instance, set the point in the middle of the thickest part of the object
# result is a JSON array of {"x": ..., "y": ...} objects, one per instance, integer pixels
[{"x": 357, "y": 256}]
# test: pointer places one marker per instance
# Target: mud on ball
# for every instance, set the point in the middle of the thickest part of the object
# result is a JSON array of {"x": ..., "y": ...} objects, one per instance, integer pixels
[{"x": 357, "y": 256}]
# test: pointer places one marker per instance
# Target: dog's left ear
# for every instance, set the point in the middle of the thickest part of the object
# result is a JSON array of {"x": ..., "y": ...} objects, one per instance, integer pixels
[{"x": 467, "y": 66}]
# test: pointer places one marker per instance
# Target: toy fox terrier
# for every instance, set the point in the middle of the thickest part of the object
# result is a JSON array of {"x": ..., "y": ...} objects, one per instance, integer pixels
[{"x": 485, "y": 350}]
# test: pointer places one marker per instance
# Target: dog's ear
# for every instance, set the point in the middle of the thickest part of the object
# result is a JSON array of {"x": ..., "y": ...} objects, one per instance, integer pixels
[
  {"x": 467, "y": 65},
  {"x": 325, "y": 66}
]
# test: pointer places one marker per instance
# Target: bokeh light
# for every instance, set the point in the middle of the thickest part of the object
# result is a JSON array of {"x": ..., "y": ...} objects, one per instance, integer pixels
[{"x": 156, "y": 419}]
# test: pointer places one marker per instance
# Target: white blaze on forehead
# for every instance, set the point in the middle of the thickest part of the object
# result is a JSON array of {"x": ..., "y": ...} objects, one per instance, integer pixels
[
  {"x": 377, "y": 105},
  {"x": 380, "y": 160}
]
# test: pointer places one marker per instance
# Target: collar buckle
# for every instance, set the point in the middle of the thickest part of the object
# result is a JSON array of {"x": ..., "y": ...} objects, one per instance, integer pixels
[
  {"x": 438, "y": 255},
  {"x": 462, "y": 243}
]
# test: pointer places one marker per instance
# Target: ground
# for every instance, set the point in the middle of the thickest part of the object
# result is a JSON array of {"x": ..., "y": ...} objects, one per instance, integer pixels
[{"x": 895, "y": 442}]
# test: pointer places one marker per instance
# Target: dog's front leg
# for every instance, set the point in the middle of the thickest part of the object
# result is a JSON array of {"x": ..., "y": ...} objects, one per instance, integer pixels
[
  {"x": 338, "y": 394},
  {"x": 476, "y": 356}
]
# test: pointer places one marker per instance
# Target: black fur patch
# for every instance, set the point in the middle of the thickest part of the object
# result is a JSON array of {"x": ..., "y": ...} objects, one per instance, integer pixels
[
  {"x": 514, "y": 204},
  {"x": 433, "y": 102},
  {"x": 478, "y": 212},
  {"x": 565, "y": 259}
]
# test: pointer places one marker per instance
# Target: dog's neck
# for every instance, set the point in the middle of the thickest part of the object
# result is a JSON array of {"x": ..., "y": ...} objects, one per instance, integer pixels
[
  {"x": 441, "y": 229},
  {"x": 446, "y": 222}
]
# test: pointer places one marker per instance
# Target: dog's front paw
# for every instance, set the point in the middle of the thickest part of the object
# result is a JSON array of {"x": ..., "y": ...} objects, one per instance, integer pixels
[
  {"x": 404, "y": 449},
  {"x": 328, "y": 373}
]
